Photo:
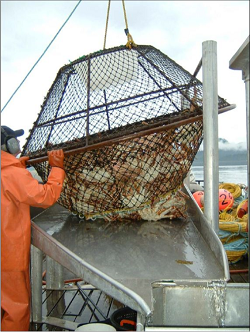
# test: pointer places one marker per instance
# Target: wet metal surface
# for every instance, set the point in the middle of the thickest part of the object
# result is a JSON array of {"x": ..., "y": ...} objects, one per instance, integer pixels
[{"x": 135, "y": 253}]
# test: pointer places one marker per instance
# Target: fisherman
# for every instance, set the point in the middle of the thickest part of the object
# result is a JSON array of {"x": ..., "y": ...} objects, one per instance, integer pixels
[{"x": 19, "y": 191}]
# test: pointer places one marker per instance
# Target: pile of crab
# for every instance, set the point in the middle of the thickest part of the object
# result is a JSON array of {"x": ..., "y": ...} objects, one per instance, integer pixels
[{"x": 140, "y": 178}]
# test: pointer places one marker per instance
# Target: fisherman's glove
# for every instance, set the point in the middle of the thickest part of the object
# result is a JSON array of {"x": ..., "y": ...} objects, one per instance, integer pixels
[
  {"x": 23, "y": 161},
  {"x": 56, "y": 158}
]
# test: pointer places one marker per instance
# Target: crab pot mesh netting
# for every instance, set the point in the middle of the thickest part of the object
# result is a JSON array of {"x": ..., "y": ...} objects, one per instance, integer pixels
[{"x": 126, "y": 120}]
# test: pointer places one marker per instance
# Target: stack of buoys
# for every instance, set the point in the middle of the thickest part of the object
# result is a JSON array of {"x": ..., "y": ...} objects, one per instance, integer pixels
[{"x": 233, "y": 219}]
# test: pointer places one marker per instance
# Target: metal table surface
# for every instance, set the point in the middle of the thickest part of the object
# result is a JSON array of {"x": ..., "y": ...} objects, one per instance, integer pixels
[{"x": 135, "y": 253}]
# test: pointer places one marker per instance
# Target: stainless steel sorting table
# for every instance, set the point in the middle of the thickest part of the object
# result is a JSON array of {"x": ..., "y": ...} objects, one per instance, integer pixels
[{"x": 139, "y": 253}]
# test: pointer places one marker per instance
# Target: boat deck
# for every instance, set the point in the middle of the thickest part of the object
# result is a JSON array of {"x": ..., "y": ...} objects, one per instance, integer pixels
[{"x": 239, "y": 272}]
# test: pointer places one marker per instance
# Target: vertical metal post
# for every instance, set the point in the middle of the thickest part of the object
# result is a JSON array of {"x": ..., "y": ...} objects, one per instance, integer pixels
[
  {"x": 140, "y": 322},
  {"x": 54, "y": 275},
  {"x": 36, "y": 283},
  {"x": 210, "y": 124}
]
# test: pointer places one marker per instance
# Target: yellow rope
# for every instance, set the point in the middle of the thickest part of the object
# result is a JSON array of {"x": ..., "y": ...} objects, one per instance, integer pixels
[
  {"x": 224, "y": 216},
  {"x": 130, "y": 42},
  {"x": 125, "y": 15},
  {"x": 234, "y": 189},
  {"x": 233, "y": 226},
  {"x": 235, "y": 256},
  {"x": 106, "y": 29}
]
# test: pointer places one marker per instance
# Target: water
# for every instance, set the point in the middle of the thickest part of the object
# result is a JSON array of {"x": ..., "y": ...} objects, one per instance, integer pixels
[{"x": 230, "y": 174}]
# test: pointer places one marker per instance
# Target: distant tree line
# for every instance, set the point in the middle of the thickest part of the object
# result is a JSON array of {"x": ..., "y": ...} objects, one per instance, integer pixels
[{"x": 226, "y": 158}]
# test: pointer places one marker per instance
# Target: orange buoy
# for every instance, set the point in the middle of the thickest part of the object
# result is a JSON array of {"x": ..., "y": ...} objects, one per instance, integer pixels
[
  {"x": 243, "y": 209},
  {"x": 197, "y": 196},
  {"x": 226, "y": 199}
]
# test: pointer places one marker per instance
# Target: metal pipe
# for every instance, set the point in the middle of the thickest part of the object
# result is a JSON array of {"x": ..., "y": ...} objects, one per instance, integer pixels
[
  {"x": 122, "y": 101},
  {"x": 210, "y": 126},
  {"x": 36, "y": 284},
  {"x": 197, "y": 68},
  {"x": 161, "y": 128},
  {"x": 238, "y": 271},
  {"x": 165, "y": 76},
  {"x": 86, "y": 297},
  {"x": 140, "y": 322},
  {"x": 88, "y": 104}
]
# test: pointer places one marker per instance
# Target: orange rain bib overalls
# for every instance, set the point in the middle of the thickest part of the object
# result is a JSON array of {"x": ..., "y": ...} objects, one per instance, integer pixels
[{"x": 19, "y": 191}]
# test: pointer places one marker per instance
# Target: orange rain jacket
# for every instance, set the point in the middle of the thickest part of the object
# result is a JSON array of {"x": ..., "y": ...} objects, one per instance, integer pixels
[{"x": 19, "y": 191}]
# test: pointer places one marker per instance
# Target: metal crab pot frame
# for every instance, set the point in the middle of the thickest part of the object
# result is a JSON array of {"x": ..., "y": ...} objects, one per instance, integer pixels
[{"x": 130, "y": 123}]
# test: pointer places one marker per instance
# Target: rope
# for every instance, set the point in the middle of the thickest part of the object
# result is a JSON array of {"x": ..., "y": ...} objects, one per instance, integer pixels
[
  {"x": 236, "y": 249},
  {"x": 125, "y": 15},
  {"x": 41, "y": 56},
  {"x": 130, "y": 42},
  {"x": 235, "y": 256},
  {"x": 233, "y": 226},
  {"x": 234, "y": 189},
  {"x": 106, "y": 29},
  {"x": 224, "y": 216}
]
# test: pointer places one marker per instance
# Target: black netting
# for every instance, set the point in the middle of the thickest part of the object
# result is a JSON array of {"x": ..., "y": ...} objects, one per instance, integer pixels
[{"x": 126, "y": 121}]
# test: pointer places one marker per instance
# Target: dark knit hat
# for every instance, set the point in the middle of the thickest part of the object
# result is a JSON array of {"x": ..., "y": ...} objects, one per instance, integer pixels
[{"x": 9, "y": 132}]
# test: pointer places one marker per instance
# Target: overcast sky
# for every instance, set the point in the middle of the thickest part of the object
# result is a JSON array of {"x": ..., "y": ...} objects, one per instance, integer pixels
[{"x": 177, "y": 28}]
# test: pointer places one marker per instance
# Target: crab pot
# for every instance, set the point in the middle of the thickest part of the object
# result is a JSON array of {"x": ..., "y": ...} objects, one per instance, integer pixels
[{"x": 130, "y": 124}]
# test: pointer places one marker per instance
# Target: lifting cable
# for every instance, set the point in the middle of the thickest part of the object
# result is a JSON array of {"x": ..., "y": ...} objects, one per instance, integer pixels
[
  {"x": 106, "y": 29},
  {"x": 41, "y": 56},
  {"x": 130, "y": 41}
]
